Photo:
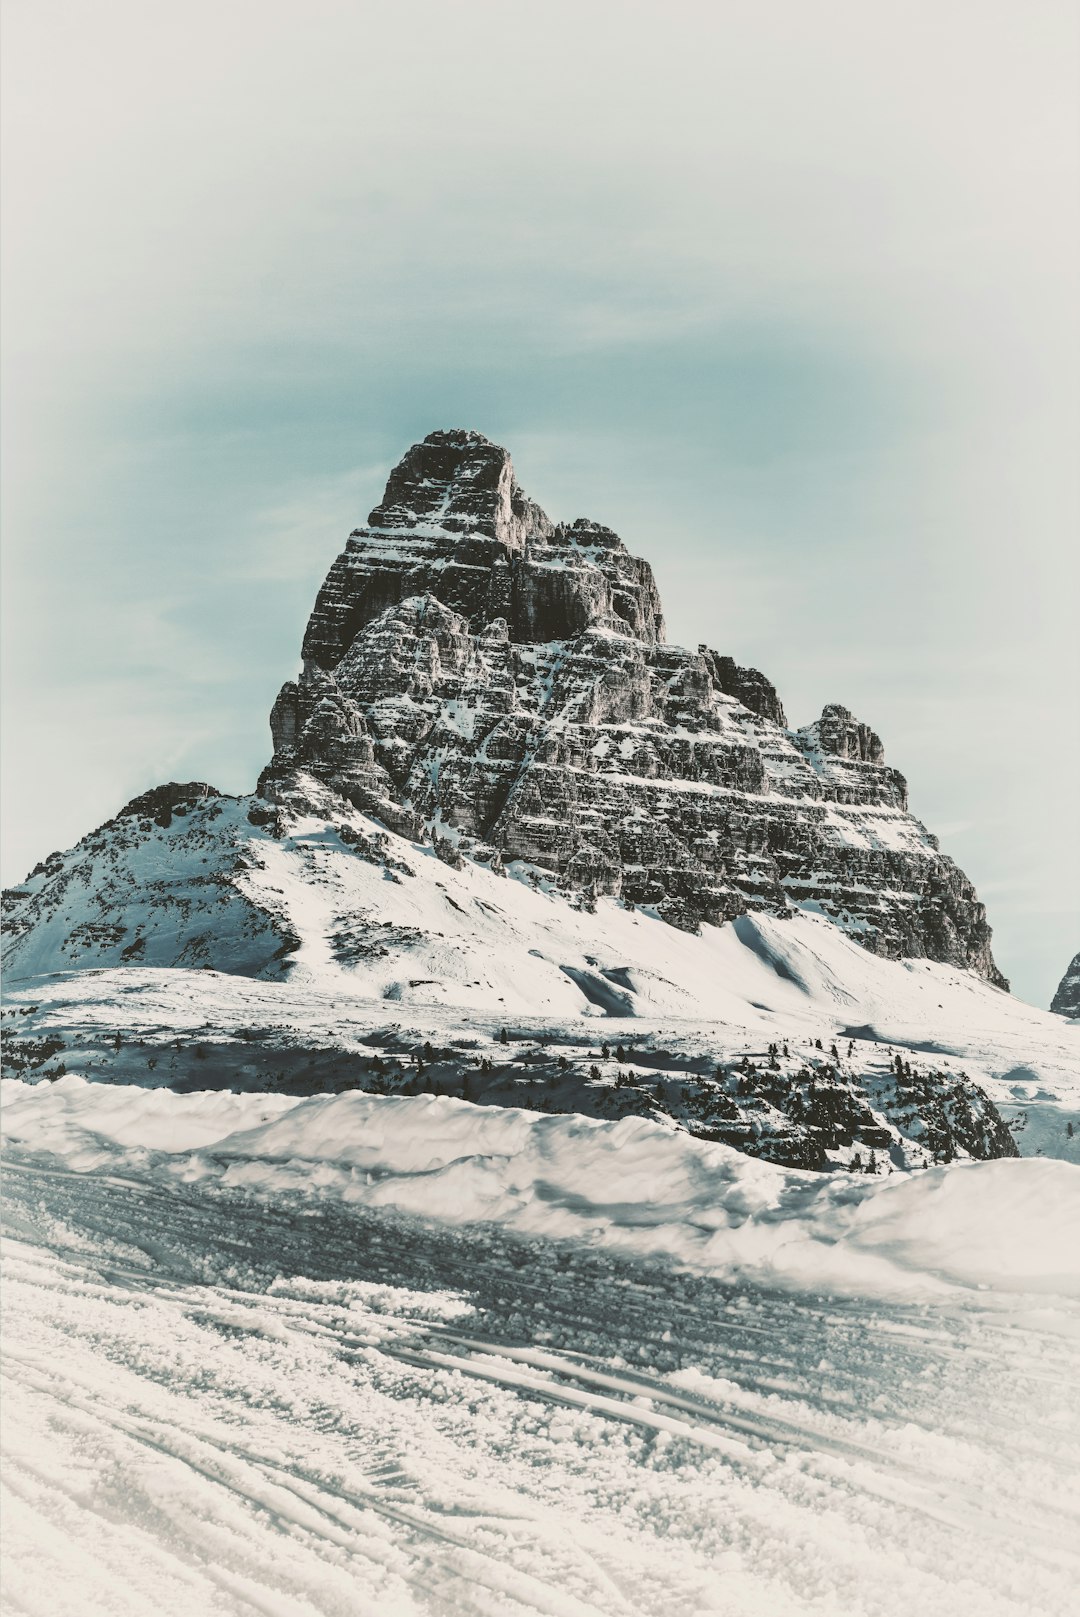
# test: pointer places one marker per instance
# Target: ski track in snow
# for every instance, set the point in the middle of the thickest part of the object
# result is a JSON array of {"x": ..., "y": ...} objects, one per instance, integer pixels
[{"x": 231, "y": 1403}]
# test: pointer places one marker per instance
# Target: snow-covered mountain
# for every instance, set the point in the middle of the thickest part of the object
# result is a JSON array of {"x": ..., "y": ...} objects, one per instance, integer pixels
[
  {"x": 497, "y": 796},
  {"x": 473, "y": 668},
  {"x": 309, "y": 1307},
  {"x": 475, "y": 673}
]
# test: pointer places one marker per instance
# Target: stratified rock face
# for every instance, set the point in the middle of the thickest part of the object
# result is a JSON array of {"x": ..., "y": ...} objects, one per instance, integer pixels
[
  {"x": 838, "y": 734},
  {"x": 1066, "y": 1002},
  {"x": 472, "y": 668},
  {"x": 454, "y": 524}
]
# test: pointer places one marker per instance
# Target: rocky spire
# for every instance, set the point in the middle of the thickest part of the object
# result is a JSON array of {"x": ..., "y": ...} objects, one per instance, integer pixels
[
  {"x": 1066, "y": 1001},
  {"x": 460, "y": 482},
  {"x": 470, "y": 665},
  {"x": 838, "y": 734},
  {"x": 455, "y": 524}
]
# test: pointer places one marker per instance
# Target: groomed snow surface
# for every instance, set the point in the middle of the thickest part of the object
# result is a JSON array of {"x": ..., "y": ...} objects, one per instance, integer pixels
[{"x": 357, "y": 1354}]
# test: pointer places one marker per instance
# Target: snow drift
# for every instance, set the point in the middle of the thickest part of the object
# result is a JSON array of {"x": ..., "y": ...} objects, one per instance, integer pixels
[{"x": 633, "y": 1185}]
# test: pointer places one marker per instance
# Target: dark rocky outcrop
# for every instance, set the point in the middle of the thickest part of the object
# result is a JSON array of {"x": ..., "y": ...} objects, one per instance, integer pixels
[
  {"x": 868, "y": 1111},
  {"x": 162, "y": 802},
  {"x": 1066, "y": 1000},
  {"x": 473, "y": 667}
]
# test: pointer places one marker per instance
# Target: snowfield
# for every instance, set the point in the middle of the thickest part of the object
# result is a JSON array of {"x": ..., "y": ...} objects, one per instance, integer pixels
[
  {"x": 277, "y": 1344},
  {"x": 404, "y": 1355},
  {"x": 633, "y": 1185}
]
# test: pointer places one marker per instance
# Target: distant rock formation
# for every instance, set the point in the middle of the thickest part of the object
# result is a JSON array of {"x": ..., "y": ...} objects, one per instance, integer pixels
[
  {"x": 476, "y": 672},
  {"x": 1066, "y": 1001}
]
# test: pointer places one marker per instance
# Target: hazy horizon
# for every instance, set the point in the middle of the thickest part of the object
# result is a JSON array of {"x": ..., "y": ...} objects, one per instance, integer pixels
[{"x": 786, "y": 299}]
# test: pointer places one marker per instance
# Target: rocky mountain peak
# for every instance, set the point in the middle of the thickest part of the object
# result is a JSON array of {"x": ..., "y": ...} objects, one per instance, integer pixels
[
  {"x": 499, "y": 687},
  {"x": 473, "y": 670},
  {"x": 460, "y": 482},
  {"x": 1066, "y": 1000},
  {"x": 455, "y": 524},
  {"x": 839, "y": 734}
]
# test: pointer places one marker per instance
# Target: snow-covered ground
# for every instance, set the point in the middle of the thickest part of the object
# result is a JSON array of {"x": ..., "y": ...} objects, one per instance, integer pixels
[
  {"x": 382, "y": 930},
  {"x": 503, "y": 955},
  {"x": 274, "y": 1344},
  {"x": 357, "y": 1354}
]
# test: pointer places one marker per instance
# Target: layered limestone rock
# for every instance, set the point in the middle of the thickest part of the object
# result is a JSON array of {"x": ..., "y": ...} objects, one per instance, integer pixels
[
  {"x": 453, "y": 523},
  {"x": 1066, "y": 1001},
  {"x": 472, "y": 668}
]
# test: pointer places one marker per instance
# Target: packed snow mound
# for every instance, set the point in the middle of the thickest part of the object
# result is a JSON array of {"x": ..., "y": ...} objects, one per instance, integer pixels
[{"x": 632, "y": 1185}]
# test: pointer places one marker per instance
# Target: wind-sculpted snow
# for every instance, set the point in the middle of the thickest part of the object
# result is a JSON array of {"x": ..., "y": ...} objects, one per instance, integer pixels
[
  {"x": 368, "y": 1355},
  {"x": 634, "y": 1185}
]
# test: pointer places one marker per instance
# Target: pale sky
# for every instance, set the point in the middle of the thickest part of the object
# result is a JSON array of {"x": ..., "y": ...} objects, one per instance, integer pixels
[{"x": 786, "y": 293}]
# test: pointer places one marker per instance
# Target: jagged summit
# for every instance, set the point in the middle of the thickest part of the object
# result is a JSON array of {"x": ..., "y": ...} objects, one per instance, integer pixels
[
  {"x": 839, "y": 734},
  {"x": 461, "y": 482},
  {"x": 498, "y": 685},
  {"x": 454, "y": 523}
]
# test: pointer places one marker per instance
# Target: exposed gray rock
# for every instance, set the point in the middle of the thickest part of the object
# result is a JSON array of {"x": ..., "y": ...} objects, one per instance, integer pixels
[
  {"x": 316, "y": 725},
  {"x": 454, "y": 523},
  {"x": 162, "y": 802},
  {"x": 838, "y": 734},
  {"x": 1066, "y": 1000},
  {"x": 472, "y": 666}
]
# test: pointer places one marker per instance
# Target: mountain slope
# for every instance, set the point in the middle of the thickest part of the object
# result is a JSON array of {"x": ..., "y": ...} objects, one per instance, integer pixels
[{"x": 391, "y": 965}]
